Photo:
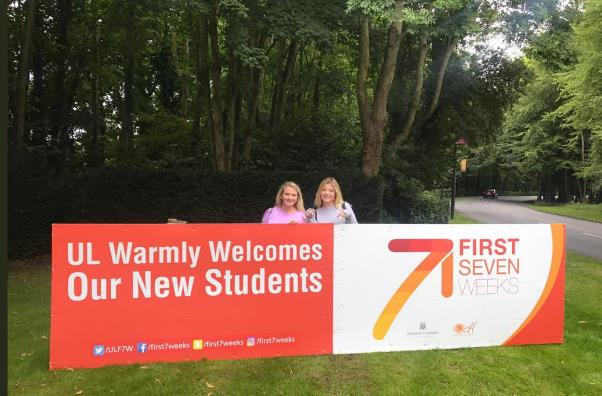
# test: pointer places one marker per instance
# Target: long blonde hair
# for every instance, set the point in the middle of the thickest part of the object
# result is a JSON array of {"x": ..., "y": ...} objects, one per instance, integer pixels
[
  {"x": 294, "y": 186},
  {"x": 338, "y": 195}
]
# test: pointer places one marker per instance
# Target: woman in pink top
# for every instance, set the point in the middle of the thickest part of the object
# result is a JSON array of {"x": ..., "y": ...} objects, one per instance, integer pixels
[{"x": 289, "y": 206}]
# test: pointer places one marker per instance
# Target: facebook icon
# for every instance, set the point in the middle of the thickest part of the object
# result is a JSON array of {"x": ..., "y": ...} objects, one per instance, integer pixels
[{"x": 142, "y": 347}]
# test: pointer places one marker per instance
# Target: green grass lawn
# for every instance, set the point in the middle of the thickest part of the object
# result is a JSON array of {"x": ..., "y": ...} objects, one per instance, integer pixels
[
  {"x": 574, "y": 367},
  {"x": 592, "y": 212},
  {"x": 459, "y": 218}
]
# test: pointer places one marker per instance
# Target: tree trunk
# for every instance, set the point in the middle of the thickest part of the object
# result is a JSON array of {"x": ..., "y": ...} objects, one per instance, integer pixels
[
  {"x": 63, "y": 96},
  {"x": 232, "y": 93},
  {"x": 362, "y": 78},
  {"x": 280, "y": 92},
  {"x": 409, "y": 122},
  {"x": 548, "y": 189},
  {"x": 451, "y": 45},
  {"x": 235, "y": 157},
  {"x": 440, "y": 75},
  {"x": 95, "y": 156},
  {"x": 217, "y": 108},
  {"x": 252, "y": 107},
  {"x": 317, "y": 87},
  {"x": 583, "y": 198},
  {"x": 374, "y": 117},
  {"x": 276, "y": 80},
  {"x": 39, "y": 111},
  {"x": 562, "y": 182},
  {"x": 202, "y": 106},
  {"x": 126, "y": 133},
  {"x": 181, "y": 80},
  {"x": 22, "y": 80}
]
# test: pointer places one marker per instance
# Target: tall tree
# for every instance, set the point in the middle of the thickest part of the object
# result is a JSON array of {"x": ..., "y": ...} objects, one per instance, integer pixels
[
  {"x": 451, "y": 19},
  {"x": 373, "y": 111},
  {"x": 217, "y": 100},
  {"x": 23, "y": 78},
  {"x": 581, "y": 87}
]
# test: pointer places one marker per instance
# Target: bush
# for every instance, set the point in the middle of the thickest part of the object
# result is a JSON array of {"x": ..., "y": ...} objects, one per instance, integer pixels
[
  {"x": 429, "y": 208},
  {"x": 149, "y": 196}
]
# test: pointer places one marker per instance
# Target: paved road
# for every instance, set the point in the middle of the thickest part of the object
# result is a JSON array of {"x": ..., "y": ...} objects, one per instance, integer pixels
[{"x": 582, "y": 236}]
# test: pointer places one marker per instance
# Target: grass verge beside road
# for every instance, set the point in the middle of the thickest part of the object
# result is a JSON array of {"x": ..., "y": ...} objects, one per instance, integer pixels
[
  {"x": 591, "y": 212},
  {"x": 459, "y": 218},
  {"x": 574, "y": 367}
]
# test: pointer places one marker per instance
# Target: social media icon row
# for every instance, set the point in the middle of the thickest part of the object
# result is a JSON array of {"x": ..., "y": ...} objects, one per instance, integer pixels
[{"x": 142, "y": 347}]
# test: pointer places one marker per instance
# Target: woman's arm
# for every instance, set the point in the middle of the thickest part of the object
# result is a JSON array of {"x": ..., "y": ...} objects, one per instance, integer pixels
[
  {"x": 266, "y": 216},
  {"x": 349, "y": 215}
]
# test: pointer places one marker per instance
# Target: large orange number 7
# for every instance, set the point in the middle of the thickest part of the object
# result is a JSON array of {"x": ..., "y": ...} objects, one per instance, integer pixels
[{"x": 440, "y": 251}]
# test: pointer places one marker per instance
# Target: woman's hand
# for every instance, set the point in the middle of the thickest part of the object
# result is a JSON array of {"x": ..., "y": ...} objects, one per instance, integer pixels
[{"x": 310, "y": 213}]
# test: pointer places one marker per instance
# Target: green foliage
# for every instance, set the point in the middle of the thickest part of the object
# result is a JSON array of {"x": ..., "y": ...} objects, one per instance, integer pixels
[
  {"x": 307, "y": 117},
  {"x": 552, "y": 48},
  {"x": 537, "y": 142},
  {"x": 382, "y": 12},
  {"x": 251, "y": 56},
  {"x": 325, "y": 142},
  {"x": 234, "y": 6},
  {"x": 581, "y": 87},
  {"x": 163, "y": 140},
  {"x": 308, "y": 20},
  {"x": 429, "y": 207},
  {"x": 478, "y": 90},
  {"x": 550, "y": 134},
  {"x": 521, "y": 20},
  {"x": 447, "y": 15},
  {"x": 417, "y": 194}
]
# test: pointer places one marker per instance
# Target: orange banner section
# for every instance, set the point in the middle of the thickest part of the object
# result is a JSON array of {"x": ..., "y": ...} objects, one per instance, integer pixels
[
  {"x": 545, "y": 324},
  {"x": 145, "y": 293}
]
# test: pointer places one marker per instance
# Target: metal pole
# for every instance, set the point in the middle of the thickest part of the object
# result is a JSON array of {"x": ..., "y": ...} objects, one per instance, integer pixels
[{"x": 453, "y": 195}]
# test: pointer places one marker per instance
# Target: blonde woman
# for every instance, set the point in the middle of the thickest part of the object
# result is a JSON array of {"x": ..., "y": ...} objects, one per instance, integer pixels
[
  {"x": 330, "y": 206},
  {"x": 289, "y": 206}
]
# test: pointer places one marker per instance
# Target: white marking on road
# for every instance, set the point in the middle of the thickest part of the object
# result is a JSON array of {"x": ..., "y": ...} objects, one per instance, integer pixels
[
  {"x": 518, "y": 217},
  {"x": 597, "y": 236}
]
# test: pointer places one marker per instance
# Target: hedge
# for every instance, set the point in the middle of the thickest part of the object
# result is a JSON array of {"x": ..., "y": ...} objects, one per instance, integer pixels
[{"x": 147, "y": 196}]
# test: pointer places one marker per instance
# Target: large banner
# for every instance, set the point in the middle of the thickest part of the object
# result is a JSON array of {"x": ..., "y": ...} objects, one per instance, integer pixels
[{"x": 124, "y": 293}]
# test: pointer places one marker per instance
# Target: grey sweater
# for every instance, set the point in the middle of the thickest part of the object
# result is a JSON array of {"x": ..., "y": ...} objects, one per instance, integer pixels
[{"x": 334, "y": 215}]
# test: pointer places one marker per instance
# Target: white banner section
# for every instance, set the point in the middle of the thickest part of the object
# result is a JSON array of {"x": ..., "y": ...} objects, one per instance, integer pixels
[{"x": 412, "y": 287}]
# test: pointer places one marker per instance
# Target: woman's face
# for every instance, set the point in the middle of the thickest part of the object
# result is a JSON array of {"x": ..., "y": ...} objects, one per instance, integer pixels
[
  {"x": 328, "y": 194},
  {"x": 289, "y": 197}
]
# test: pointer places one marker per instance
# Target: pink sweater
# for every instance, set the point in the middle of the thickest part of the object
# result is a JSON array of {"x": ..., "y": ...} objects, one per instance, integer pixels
[{"x": 276, "y": 215}]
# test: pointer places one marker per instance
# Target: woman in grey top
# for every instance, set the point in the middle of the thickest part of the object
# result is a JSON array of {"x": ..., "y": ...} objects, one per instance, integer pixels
[{"x": 329, "y": 205}]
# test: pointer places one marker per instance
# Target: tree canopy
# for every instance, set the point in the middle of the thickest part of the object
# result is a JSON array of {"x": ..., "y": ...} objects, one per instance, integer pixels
[
  {"x": 385, "y": 87},
  {"x": 552, "y": 133}
]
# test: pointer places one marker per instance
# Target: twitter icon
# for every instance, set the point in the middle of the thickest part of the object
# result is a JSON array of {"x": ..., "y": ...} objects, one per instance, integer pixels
[{"x": 99, "y": 350}]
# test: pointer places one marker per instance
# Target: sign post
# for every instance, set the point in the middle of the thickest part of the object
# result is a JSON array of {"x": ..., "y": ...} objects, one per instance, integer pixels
[{"x": 462, "y": 142}]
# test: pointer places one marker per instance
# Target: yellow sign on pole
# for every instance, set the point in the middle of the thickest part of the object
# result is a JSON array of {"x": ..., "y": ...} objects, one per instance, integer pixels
[{"x": 463, "y": 165}]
